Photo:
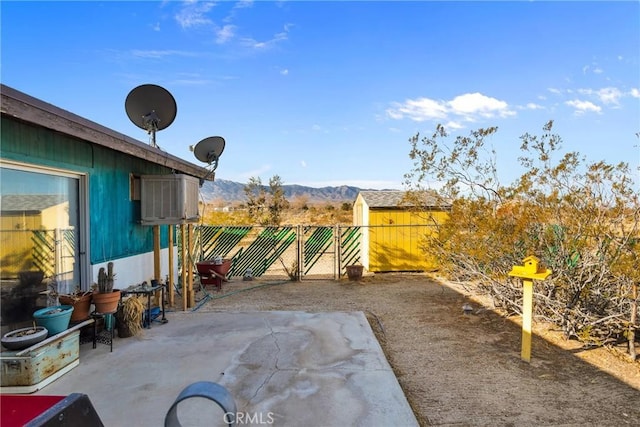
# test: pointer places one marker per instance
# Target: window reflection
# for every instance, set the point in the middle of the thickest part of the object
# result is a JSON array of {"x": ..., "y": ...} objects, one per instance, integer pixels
[{"x": 39, "y": 223}]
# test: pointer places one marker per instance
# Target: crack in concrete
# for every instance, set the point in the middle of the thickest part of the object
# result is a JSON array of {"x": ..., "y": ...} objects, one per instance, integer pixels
[{"x": 276, "y": 368}]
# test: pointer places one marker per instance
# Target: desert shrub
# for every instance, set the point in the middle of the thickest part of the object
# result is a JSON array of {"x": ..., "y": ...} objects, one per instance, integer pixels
[
  {"x": 579, "y": 218},
  {"x": 265, "y": 205}
]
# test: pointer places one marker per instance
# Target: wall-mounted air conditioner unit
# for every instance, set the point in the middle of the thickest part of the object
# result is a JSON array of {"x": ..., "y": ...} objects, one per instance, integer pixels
[{"x": 169, "y": 199}]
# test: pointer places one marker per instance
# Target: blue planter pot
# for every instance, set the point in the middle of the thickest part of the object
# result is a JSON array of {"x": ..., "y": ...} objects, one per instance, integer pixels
[{"x": 56, "y": 319}]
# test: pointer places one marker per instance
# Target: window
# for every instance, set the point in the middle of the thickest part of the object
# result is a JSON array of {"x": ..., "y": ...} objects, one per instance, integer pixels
[{"x": 42, "y": 218}]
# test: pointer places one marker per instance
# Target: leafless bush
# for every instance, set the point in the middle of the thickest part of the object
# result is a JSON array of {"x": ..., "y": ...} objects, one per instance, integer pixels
[{"x": 582, "y": 220}]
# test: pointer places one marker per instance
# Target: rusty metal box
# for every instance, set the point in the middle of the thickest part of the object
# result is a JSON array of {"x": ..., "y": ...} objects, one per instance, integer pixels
[{"x": 31, "y": 369}]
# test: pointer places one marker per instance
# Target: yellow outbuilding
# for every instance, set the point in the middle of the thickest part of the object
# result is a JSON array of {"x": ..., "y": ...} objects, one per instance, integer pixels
[{"x": 394, "y": 225}]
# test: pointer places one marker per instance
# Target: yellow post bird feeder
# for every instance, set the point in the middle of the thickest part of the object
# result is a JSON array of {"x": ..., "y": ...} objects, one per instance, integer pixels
[{"x": 530, "y": 270}]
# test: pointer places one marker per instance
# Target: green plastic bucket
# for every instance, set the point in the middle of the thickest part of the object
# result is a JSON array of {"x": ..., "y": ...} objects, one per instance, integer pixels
[{"x": 56, "y": 319}]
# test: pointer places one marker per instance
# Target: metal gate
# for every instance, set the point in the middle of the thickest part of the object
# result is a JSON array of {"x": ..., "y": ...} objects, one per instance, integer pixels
[{"x": 283, "y": 252}]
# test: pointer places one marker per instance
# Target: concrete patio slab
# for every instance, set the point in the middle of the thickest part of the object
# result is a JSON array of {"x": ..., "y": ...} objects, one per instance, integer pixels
[{"x": 282, "y": 368}]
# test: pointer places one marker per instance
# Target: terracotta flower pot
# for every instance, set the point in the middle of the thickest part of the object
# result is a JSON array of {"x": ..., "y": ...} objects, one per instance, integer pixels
[
  {"x": 81, "y": 304},
  {"x": 106, "y": 302}
]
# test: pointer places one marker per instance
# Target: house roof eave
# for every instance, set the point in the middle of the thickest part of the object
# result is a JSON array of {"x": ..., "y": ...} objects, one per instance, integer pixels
[{"x": 28, "y": 109}]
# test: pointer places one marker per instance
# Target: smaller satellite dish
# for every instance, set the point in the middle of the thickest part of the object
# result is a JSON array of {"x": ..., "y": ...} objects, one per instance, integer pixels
[
  {"x": 209, "y": 149},
  {"x": 151, "y": 107}
]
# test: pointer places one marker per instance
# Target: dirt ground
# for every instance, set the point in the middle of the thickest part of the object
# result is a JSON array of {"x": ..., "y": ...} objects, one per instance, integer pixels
[{"x": 461, "y": 369}]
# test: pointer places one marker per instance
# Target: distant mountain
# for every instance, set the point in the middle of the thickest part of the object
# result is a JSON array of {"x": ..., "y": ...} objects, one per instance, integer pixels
[{"x": 231, "y": 191}]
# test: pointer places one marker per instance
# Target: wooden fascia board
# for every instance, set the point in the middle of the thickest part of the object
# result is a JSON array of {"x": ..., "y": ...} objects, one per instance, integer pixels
[{"x": 31, "y": 110}]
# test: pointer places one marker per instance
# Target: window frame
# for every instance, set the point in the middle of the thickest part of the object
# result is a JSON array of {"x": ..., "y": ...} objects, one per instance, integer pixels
[{"x": 84, "y": 268}]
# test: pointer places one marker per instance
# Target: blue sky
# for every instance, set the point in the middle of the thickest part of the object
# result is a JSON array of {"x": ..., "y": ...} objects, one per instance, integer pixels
[{"x": 329, "y": 93}]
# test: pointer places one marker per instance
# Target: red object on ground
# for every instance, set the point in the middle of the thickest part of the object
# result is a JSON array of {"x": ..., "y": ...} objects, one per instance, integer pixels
[
  {"x": 213, "y": 274},
  {"x": 18, "y": 410}
]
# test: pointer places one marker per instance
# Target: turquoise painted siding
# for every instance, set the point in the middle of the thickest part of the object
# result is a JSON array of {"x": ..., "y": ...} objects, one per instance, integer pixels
[{"x": 115, "y": 231}]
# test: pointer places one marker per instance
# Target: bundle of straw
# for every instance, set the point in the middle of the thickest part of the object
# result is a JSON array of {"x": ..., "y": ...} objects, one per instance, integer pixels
[{"x": 132, "y": 311}]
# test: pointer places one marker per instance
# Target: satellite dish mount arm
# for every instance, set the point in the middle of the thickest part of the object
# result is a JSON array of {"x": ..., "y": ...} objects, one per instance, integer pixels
[
  {"x": 212, "y": 159},
  {"x": 208, "y": 151},
  {"x": 213, "y": 165},
  {"x": 151, "y": 121}
]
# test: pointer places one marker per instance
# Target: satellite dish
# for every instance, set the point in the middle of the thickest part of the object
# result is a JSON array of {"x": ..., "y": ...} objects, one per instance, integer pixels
[
  {"x": 209, "y": 149},
  {"x": 151, "y": 108}
]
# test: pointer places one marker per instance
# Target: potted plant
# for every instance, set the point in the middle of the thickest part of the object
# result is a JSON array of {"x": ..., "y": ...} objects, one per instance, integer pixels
[
  {"x": 105, "y": 298},
  {"x": 55, "y": 319},
  {"x": 24, "y": 337},
  {"x": 129, "y": 316},
  {"x": 81, "y": 302},
  {"x": 354, "y": 272}
]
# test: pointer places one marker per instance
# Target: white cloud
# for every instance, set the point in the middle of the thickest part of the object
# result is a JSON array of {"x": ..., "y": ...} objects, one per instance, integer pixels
[
  {"x": 242, "y": 4},
  {"x": 317, "y": 128},
  {"x": 607, "y": 95},
  {"x": 583, "y": 106},
  {"x": 267, "y": 44},
  {"x": 191, "y": 82},
  {"x": 534, "y": 106},
  {"x": 594, "y": 69},
  {"x": 225, "y": 33},
  {"x": 468, "y": 107},
  {"x": 471, "y": 104},
  {"x": 284, "y": 72},
  {"x": 303, "y": 163},
  {"x": 158, "y": 54},
  {"x": 418, "y": 110},
  {"x": 193, "y": 14},
  {"x": 453, "y": 125}
]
